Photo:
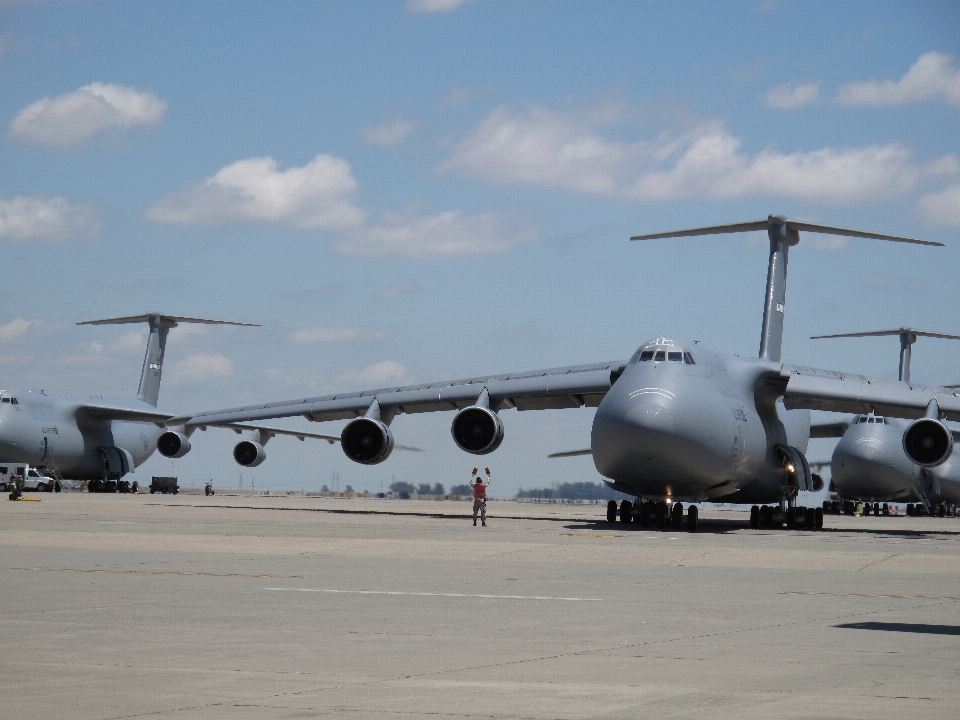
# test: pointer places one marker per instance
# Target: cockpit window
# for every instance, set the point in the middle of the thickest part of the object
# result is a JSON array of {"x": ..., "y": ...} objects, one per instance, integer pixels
[
  {"x": 646, "y": 355},
  {"x": 688, "y": 359},
  {"x": 660, "y": 356},
  {"x": 6, "y": 400},
  {"x": 675, "y": 356}
]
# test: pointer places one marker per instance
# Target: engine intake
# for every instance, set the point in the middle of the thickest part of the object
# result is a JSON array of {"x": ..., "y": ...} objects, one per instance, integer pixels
[
  {"x": 366, "y": 441},
  {"x": 249, "y": 453},
  {"x": 173, "y": 444},
  {"x": 477, "y": 430},
  {"x": 928, "y": 442}
]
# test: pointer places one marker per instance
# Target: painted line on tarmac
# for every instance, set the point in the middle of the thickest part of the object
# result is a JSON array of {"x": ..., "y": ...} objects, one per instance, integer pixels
[
  {"x": 429, "y": 594},
  {"x": 867, "y": 595},
  {"x": 167, "y": 572}
]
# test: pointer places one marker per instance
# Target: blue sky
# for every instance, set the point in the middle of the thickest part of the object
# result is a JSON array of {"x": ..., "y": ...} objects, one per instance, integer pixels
[{"x": 412, "y": 191}]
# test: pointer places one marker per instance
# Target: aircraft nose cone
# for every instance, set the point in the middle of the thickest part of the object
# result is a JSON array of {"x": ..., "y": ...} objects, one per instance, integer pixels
[{"x": 652, "y": 417}]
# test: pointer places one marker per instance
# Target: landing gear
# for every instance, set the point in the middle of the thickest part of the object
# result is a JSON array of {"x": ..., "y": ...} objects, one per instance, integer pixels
[
  {"x": 645, "y": 514},
  {"x": 626, "y": 511},
  {"x": 676, "y": 516},
  {"x": 611, "y": 510},
  {"x": 692, "y": 517},
  {"x": 810, "y": 518},
  {"x": 755, "y": 517},
  {"x": 660, "y": 512},
  {"x": 818, "y": 519}
]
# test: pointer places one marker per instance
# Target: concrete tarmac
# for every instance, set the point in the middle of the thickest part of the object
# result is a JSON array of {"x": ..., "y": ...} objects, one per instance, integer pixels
[{"x": 127, "y": 606}]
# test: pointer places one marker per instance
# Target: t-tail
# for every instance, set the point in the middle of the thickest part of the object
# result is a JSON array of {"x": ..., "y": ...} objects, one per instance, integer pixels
[
  {"x": 160, "y": 325},
  {"x": 908, "y": 337},
  {"x": 783, "y": 234}
]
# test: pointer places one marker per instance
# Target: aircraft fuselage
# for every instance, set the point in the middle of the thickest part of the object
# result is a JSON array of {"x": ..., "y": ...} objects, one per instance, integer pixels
[
  {"x": 697, "y": 427},
  {"x": 37, "y": 428}
]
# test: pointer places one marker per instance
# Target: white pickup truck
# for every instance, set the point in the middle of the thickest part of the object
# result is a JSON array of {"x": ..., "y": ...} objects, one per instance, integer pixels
[{"x": 33, "y": 479}]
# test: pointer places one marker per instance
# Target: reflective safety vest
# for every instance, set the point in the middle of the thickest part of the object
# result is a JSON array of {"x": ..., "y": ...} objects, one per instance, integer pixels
[{"x": 480, "y": 491}]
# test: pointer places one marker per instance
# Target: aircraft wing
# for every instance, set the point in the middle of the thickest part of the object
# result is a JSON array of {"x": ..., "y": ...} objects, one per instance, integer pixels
[
  {"x": 829, "y": 430},
  {"x": 843, "y": 392},
  {"x": 555, "y": 388},
  {"x": 106, "y": 411},
  {"x": 298, "y": 434}
]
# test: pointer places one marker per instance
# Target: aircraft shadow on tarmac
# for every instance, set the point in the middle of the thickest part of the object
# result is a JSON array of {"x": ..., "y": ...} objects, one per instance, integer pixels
[
  {"x": 720, "y": 526},
  {"x": 904, "y": 627}
]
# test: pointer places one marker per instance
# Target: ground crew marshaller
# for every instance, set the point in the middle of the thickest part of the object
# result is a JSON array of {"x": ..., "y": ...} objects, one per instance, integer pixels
[{"x": 480, "y": 496}]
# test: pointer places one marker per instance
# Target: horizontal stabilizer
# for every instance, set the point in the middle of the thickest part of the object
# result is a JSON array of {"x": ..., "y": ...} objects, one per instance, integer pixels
[
  {"x": 791, "y": 225},
  {"x": 884, "y": 333},
  {"x": 169, "y": 320}
]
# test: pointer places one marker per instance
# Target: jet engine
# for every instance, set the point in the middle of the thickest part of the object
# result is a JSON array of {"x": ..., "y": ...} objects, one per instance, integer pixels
[
  {"x": 477, "y": 430},
  {"x": 367, "y": 441},
  {"x": 928, "y": 442},
  {"x": 173, "y": 444},
  {"x": 249, "y": 453}
]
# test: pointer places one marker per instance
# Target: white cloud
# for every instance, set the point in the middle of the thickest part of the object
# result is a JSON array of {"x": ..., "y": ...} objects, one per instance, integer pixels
[
  {"x": 711, "y": 163},
  {"x": 929, "y": 77},
  {"x": 323, "y": 334},
  {"x": 16, "y": 328},
  {"x": 134, "y": 341},
  {"x": 786, "y": 97},
  {"x": 383, "y": 373},
  {"x": 315, "y": 196},
  {"x": 434, "y": 6},
  {"x": 941, "y": 208},
  {"x": 389, "y": 133},
  {"x": 542, "y": 147},
  {"x": 448, "y": 234},
  {"x": 70, "y": 119},
  {"x": 41, "y": 218},
  {"x": 556, "y": 149},
  {"x": 203, "y": 366}
]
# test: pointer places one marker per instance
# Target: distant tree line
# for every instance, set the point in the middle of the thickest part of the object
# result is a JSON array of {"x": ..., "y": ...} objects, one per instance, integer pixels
[
  {"x": 401, "y": 488},
  {"x": 572, "y": 491}
]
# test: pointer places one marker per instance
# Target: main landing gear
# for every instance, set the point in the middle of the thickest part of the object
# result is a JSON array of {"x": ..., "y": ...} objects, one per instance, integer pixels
[
  {"x": 646, "y": 512},
  {"x": 795, "y": 518}
]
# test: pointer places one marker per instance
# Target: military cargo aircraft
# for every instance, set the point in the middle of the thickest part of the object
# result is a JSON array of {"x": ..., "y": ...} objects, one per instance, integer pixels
[
  {"x": 103, "y": 440},
  {"x": 871, "y": 461},
  {"x": 675, "y": 422}
]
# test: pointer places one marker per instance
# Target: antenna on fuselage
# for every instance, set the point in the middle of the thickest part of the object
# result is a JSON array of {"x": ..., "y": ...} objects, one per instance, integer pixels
[
  {"x": 907, "y": 338},
  {"x": 782, "y": 233},
  {"x": 160, "y": 325}
]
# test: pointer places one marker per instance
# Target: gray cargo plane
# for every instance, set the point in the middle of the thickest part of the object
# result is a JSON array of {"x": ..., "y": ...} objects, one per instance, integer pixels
[
  {"x": 103, "y": 440},
  {"x": 871, "y": 461},
  {"x": 675, "y": 422}
]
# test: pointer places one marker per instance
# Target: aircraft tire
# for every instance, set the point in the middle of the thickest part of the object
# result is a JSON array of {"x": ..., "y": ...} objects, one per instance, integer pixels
[
  {"x": 612, "y": 511},
  {"x": 57, "y": 487},
  {"x": 755, "y": 517},
  {"x": 661, "y": 515},
  {"x": 692, "y": 518},
  {"x": 676, "y": 516},
  {"x": 13, "y": 496},
  {"x": 818, "y": 519},
  {"x": 810, "y": 519},
  {"x": 135, "y": 487},
  {"x": 626, "y": 511},
  {"x": 645, "y": 514},
  {"x": 792, "y": 518}
]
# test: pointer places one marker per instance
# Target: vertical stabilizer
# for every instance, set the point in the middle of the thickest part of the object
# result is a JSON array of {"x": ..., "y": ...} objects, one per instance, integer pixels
[
  {"x": 771, "y": 333},
  {"x": 160, "y": 325}
]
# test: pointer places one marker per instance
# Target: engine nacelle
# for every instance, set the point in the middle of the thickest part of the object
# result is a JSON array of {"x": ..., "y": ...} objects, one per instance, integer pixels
[
  {"x": 477, "y": 430},
  {"x": 173, "y": 444},
  {"x": 817, "y": 482},
  {"x": 928, "y": 442},
  {"x": 249, "y": 453},
  {"x": 366, "y": 441}
]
